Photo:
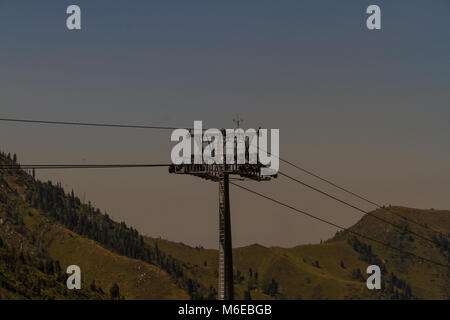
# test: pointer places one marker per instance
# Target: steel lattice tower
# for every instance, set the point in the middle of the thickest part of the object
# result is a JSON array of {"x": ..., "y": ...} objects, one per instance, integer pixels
[{"x": 221, "y": 173}]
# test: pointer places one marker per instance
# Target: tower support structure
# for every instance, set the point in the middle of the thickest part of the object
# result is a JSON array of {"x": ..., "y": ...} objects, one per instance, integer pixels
[
  {"x": 221, "y": 173},
  {"x": 226, "y": 289}
]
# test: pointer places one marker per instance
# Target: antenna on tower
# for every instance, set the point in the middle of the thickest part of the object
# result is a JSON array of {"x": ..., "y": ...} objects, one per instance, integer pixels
[{"x": 238, "y": 120}]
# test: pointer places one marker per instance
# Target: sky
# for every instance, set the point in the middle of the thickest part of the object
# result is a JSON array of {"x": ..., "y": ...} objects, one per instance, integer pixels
[{"x": 368, "y": 109}]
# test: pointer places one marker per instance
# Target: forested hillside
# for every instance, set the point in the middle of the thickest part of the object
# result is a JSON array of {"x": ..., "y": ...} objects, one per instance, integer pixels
[{"x": 41, "y": 218}]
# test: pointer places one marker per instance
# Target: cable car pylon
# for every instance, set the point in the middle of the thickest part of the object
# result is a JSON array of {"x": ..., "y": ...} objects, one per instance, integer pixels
[{"x": 221, "y": 173}]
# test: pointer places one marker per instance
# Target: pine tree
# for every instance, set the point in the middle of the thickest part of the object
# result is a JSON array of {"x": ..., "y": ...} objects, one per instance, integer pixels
[
  {"x": 93, "y": 287},
  {"x": 115, "y": 292}
]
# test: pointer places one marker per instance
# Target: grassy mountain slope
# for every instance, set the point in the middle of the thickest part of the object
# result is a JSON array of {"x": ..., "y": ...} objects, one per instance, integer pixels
[
  {"x": 136, "y": 279},
  {"x": 293, "y": 269},
  {"x": 24, "y": 276},
  {"x": 427, "y": 279},
  {"x": 330, "y": 270}
]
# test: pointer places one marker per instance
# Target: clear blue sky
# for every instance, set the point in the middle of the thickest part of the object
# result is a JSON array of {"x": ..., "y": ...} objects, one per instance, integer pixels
[{"x": 369, "y": 109}]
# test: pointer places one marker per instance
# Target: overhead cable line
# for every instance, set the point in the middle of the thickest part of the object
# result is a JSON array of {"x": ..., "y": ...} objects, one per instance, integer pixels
[
  {"x": 356, "y": 208},
  {"x": 173, "y": 128},
  {"x": 88, "y": 124},
  {"x": 298, "y": 211},
  {"x": 81, "y": 166},
  {"x": 354, "y": 194},
  {"x": 379, "y": 206}
]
